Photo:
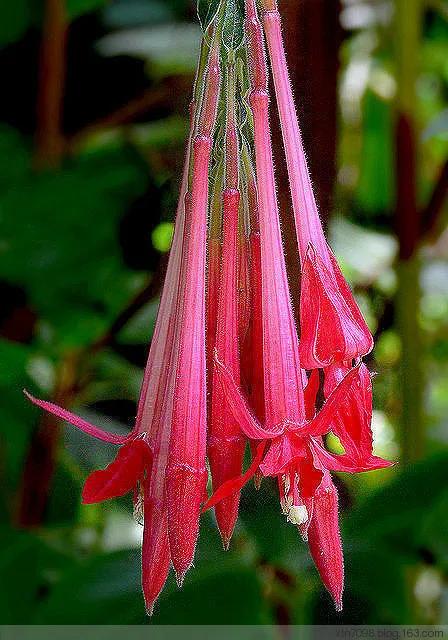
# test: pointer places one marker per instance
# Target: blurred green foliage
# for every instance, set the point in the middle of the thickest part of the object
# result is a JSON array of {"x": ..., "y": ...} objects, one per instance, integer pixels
[{"x": 79, "y": 242}]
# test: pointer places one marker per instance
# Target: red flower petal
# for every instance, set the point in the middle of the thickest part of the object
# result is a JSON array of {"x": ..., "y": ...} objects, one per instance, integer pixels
[
  {"x": 321, "y": 424},
  {"x": 133, "y": 460},
  {"x": 351, "y": 421},
  {"x": 78, "y": 422},
  {"x": 311, "y": 472},
  {"x": 310, "y": 394},
  {"x": 348, "y": 464},
  {"x": 238, "y": 405},
  {"x": 325, "y": 540},
  {"x": 156, "y": 557},
  {"x": 234, "y": 485},
  {"x": 332, "y": 327},
  {"x": 282, "y": 453}
]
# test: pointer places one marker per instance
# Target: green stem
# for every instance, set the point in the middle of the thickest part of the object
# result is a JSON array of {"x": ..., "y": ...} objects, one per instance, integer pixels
[{"x": 407, "y": 302}]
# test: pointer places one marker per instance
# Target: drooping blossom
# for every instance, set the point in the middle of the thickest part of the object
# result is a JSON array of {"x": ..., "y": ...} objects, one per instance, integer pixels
[
  {"x": 291, "y": 446},
  {"x": 226, "y": 365},
  {"x": 163, "y": 459},
  {"x": 186, "y": 476},
  {"x": 332, "y": 327},
  {"x": 226, "y": 442}
]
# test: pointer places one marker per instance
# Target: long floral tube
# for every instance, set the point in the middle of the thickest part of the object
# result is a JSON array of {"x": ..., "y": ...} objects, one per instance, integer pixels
[
  {"x": 226, "y": 443},
  {"x": 156, "y": 409},
  {"x": 309, "y": 228},
  {"x": 332, "y": 327},
  {"x": 186, "y": 472},
  {"x": 282, "y": 372},
  {"x": 156, "y": 555}
]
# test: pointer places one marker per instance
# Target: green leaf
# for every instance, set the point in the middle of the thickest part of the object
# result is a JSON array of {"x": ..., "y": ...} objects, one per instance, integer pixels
[
  {"x": 394, "y": 513},
  {"x": 376, "y": 575},
  {"x": 16, "y": 416},
  {"x": 155, "y": 45},
  {"x": 106, "y": 587},
  {"x": 134, "y": 13},
  {"x": 207, "y": 10},
  {"x": 229, "y": 593},
  {"x": 14, "y": 20},
  {"x": 77, "y": 8},
  {"x": 67, "y": 255},
  {"x": 233, "y": 27},
  {"x": 26, "y": 564},
  {"x": 275, "y": 540},
  {"x": 433, "y": 531},
  {"x": 375, "y": 191}
]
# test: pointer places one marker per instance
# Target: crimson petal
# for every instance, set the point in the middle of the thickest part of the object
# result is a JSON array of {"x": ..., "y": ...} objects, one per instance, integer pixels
[
  {"x": 321, "y": 424},
  {"x": 238, "y": 405},
  {"x": 234, "y": 485},
  {"x": 310, "y": 394},
  {"x": 78, "y": 422},
  {"x": 332, "y": 327},
  {"x": 345, "y": 463},
  {"x": 133, "y": 460}
]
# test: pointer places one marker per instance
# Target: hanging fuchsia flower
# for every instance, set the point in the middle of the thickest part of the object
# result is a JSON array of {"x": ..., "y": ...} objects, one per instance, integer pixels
[
  {"x": 226, "y": 366},
  {"x": 332, "y": 327},
  {"x": 291, "y": 446},
  {"x": 226, "y": 443},
  {"x": 186, "y": 476},
  {"x": 130, "y": 467},
  {"x": 252, "y": 345},
  {"x": 163, "y": 459}
]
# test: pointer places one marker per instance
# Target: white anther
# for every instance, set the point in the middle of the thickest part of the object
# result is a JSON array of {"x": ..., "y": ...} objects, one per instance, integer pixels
[{"x": 297, "y": 514}]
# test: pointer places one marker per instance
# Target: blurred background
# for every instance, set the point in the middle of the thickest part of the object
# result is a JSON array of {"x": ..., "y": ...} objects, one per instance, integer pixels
[{"x": 92, "y": 129}]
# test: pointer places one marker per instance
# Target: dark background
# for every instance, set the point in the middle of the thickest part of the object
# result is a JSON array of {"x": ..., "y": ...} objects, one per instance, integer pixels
[{"x": 92, "y": 128}]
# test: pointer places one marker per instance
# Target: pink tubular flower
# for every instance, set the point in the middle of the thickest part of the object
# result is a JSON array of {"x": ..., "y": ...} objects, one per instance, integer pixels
[
  {"x": 186, "y": 472},
  {"x": 141, "y": 460},
  {"x": 152, "y": 427},
  {"x": 252, "y": 346},
  {"x": 226, "y": 366},
  {"x": 291, "y": 446},
  {"x": 226, "y": 443},
  {"x": 332, "y": 327},
  {"x": 163, "y": 458}
]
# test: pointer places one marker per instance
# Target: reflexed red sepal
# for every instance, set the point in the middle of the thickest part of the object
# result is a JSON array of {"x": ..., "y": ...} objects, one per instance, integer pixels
[
  {"x": 234, "y": 485},
  {"x": 133, "y": 460},
  {"x": 310, "y": 394},
  {"x": 332, "y": 327}
]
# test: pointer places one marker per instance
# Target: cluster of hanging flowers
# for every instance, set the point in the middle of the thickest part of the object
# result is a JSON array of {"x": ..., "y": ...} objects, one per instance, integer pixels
[{"x": 228, "y": 365}]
